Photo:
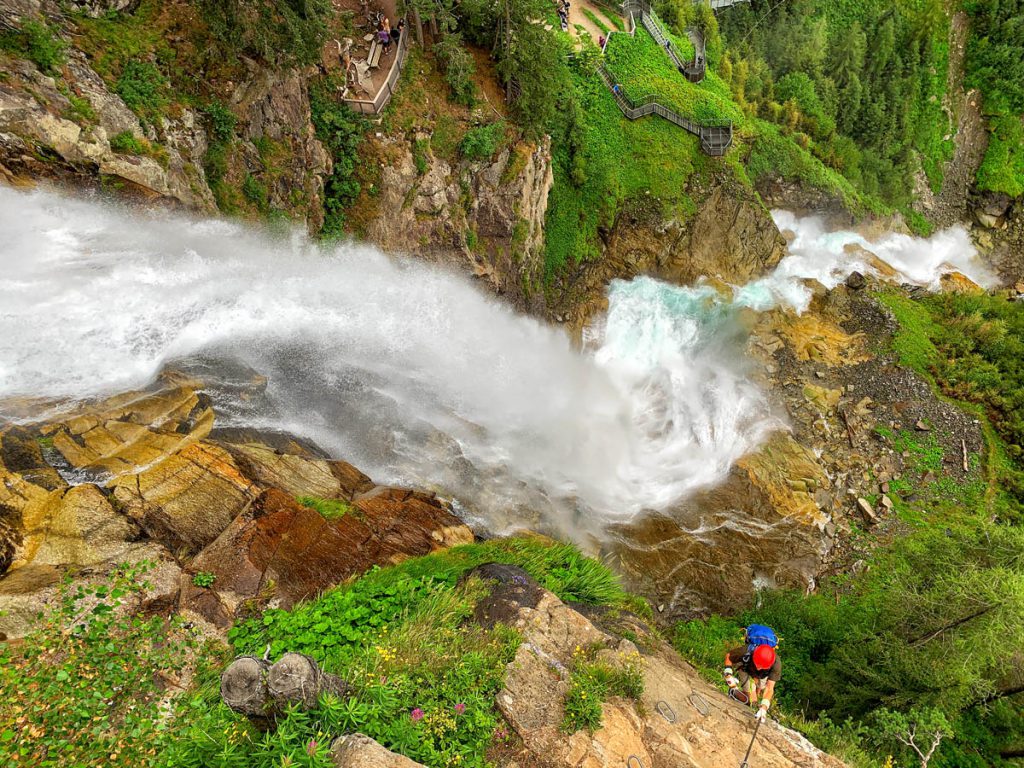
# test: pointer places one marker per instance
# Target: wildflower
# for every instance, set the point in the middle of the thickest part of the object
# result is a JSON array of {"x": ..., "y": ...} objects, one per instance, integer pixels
[
  {"x": 417, "y": 715},
  {"x": 311, "y": 747},
  {"x": 460, "y": 708}
]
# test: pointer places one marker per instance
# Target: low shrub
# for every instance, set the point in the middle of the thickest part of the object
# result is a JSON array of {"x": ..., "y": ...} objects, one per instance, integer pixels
[
  {"x": 481, "y": 142},
  {"x": 81, "y": 110},
  {"x": 143, "y": 88},
  {"x": 37, "y": 42},
  {"x": 592, "y": 682},
  {"x": 459, "y": 68},
  {"x": 86, "y": 686},
  {"x": 341, "y": 130},
  {"x": 126, "y": 143},
  {"x": 256, "y": 193}
]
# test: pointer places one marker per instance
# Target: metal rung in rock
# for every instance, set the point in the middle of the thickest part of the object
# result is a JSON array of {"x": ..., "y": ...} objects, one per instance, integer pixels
[
  {"x": 700, "y": 704},
  {"x": 663, "y": 709}
]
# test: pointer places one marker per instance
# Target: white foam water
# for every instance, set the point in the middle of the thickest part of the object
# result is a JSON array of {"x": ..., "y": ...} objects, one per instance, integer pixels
[
  {"x": 407, "y": 370},
  {"x": 821, "y": 254}
]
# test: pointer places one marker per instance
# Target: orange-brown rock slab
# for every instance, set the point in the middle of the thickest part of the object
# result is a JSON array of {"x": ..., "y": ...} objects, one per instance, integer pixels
[{"x": 280, "y": 550}]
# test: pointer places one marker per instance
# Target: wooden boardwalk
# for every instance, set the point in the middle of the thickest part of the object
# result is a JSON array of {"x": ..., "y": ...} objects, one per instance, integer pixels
[{"x": 715, "y": 138}]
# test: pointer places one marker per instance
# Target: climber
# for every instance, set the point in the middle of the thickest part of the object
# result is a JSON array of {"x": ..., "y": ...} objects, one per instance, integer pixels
[{"x": 759, "y": 667}]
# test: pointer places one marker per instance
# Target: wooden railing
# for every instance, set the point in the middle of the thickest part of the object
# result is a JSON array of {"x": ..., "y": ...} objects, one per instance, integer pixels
[
  {"x": 377, "y": 104},
  {"x": 715, "y": 137}
]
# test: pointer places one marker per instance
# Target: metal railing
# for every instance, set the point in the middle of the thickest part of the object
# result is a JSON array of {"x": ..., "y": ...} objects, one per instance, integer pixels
[{"x": 377, "y": 104}]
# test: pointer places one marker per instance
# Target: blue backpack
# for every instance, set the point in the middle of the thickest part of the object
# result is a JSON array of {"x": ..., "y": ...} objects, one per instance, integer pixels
[{"x": 759, "y": 634}]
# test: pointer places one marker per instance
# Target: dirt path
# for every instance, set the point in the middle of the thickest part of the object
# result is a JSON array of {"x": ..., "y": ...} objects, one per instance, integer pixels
[{"x": 577, "y": 17}]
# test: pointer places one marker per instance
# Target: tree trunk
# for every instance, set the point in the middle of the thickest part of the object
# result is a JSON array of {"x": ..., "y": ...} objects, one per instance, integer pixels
[
  {"x": 255, "y": 688},
  {"x": 419, "y": 26}
]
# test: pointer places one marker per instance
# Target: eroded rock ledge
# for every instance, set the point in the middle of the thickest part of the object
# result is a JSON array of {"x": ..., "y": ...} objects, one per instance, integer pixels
[{"x": 139, "y": 477}]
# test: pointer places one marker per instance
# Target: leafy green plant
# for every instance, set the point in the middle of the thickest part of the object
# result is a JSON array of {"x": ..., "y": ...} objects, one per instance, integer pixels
[
  {"x": 144, "y": 89},
  {"x": 220, "y": 122},
  {"x": 37, "y": 42},
  {"x": 256, "y": 193},
  {"x": 916, "y": 734},
  {"x": 330, "y": 509},
  {"x": 220, "y": 126},
  {"x": 643, "y": 69},
  {"x": 81, "y": 110},
  {"x": 592, "y": 681},
  {"x": 423, "y": 684},
  {"x": 459, "y": 68},
  {"x": 204, "y": 579},
  {"x": 420, "y": 156},
  {"x": 126, "y": 143},
  {"x": 85, "y": 686},
  {"x": 287, "y": 34},
  {"x": 481, "y": 142},
  {"x": 341, "y": 130},
  {"x": 597, "y": 21}
]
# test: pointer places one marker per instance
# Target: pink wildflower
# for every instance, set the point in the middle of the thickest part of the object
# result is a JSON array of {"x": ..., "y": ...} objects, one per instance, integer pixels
[
  {"x": 417, "y": 715},
  {"x": 311, "y": 747},
  {"x": 460, "y": 708}
]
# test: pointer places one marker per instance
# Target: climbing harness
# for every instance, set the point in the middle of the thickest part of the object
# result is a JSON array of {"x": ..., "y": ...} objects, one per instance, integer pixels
[
  {"x": 700, "y": 704},
  {"x": 634, "y": 761},
  {"x": 663, "y": 709}
]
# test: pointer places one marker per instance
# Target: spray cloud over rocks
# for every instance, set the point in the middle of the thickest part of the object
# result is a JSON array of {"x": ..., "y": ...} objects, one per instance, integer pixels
[
  {"x": 408, "y": 371},
  {"x": 818, "y": 253},
  {"x": 404, "y": 369}
]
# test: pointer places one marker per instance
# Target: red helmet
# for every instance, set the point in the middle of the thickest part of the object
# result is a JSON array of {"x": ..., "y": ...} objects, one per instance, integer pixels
[{"x": 764, "y": 657}]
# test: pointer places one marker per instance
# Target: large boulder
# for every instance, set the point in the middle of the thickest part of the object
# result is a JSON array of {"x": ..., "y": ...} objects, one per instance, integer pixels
[
  {"x": 358, "y": 751},
  {"x": 147, "y": 450},
  {"x": 298, "y": 473},
  {"x": 680, "y": 720},
  {"x": 279, "y": 550},
  {"x": 188, "y": 498}
]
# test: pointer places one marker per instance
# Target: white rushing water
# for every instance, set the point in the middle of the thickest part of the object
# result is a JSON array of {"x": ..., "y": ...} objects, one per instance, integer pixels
[
  {"x": 407, "y": 370},
  {"x": 821, "y": 254}
]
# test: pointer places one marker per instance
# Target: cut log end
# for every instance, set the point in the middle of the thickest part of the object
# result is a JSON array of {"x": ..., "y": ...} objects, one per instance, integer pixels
[
  {"x": 243, "y": 686},
  {"x": 253, "y": 687}
]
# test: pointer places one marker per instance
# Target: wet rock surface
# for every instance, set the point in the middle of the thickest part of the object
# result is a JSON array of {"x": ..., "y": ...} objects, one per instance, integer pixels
[
  {"x": 484, "y": 217},
  {"x": 731, "y": 238},
  {"x": 136, "y": 478},
  {"x": 281, "y": 552}
]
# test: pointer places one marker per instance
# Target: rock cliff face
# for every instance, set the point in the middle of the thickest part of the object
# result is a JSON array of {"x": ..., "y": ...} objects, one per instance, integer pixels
[
  {"x": 139, "y": 477},
  {"x": 39, "y": 138},
  {"x": 680, "y": 720},
  {"x": 72, "y": 127},
  {"x": 731, "y": 237},
  {"x": 486, "y": 217}
]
